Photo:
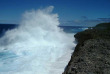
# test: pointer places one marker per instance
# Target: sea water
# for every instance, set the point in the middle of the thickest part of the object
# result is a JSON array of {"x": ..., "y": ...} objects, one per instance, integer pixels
[{"x": 38, "y": 45}]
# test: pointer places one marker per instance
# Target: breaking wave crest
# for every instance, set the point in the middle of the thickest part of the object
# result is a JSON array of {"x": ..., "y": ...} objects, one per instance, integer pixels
[{"x": 37, "y": 46}]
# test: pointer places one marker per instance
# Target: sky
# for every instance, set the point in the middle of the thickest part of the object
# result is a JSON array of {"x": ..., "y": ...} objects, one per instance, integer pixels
[{"x": 71, "y": 12}]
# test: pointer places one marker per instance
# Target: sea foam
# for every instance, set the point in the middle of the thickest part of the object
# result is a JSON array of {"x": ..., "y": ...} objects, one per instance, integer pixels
[{"x": 36, "y": 46}]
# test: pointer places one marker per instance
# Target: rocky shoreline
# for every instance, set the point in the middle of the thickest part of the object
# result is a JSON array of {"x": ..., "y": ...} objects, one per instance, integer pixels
[{"x": 92, "y": 53}]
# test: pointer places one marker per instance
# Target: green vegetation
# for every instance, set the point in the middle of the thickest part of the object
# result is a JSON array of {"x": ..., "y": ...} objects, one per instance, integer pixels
[
  {"x": 100, "y": 31},
  {"x": 103, "y": 26}
]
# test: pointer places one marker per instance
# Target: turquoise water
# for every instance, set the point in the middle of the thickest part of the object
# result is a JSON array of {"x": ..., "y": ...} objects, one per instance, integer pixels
[
  {"x": 9, "y": 60},
  {"x": 37, "y": 45}
]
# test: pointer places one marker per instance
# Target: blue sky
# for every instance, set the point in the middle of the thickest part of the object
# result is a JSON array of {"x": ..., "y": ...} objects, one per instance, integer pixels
[{"x": 71, "y": 12}]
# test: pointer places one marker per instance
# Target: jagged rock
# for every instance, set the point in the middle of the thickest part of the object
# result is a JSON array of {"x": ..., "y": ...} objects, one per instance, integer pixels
[{"x": 92, "y": 53}]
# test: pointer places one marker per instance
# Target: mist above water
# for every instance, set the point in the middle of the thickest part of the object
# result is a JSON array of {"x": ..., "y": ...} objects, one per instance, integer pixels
[{"x": 37, "y": 46}]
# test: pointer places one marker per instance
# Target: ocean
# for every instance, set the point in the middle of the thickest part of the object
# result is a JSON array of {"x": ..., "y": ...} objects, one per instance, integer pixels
[
  {"x": 10, "y": 63},
  {"x": 38, "y": 45},
  {"x": 67, "y": 29},
  {"x": 73, "y": 29}
]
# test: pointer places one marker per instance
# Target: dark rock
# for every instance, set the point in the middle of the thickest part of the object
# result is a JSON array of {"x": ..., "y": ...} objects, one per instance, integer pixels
[{"x": 92, "y": 53}]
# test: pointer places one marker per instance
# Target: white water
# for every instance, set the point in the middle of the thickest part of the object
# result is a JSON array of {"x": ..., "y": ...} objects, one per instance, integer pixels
[{"x": 37, "y": 46}]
